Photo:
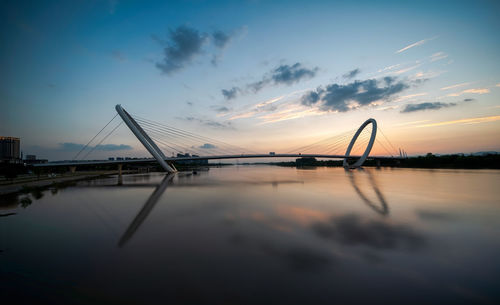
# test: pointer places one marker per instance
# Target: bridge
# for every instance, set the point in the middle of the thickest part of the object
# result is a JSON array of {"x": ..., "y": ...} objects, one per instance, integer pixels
[{"x": 180, "y": 141}]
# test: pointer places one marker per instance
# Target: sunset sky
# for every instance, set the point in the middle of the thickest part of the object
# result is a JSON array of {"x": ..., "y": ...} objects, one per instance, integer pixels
[{"x": 267, "y": 75}]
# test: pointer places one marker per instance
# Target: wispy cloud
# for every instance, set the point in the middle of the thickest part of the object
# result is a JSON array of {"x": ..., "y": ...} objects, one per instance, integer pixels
[
  {"x": 497, "y": 85},
  {"x": 465, "y": 121},
  {"x": 244, "y": 115},
  {"x": 404, "y": 70},
  {"x": 438, "y": 56},
  {"x": 410, "y": 123},
  {"x": 455, "y": 86},
  {"x": 426, "y": 106},
  {"x": 388, "y": 68},
  {"x": 208, "y": 122},
  {"x": 475, "y": 91},
  {"x": 418, "y": 43},
  {"x": 351, "y": 74},
  {"x": 289, "y": 114},
  {"x": 424, "y": 76},
  {"x": 258, "y": 108},
  {"x": 405, "y": 97}
]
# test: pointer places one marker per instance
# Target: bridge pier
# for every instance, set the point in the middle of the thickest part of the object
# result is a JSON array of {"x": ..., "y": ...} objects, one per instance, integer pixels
[
  {"x": 72, "y": 169},
  {"x": 378, "y": 163},
  {"x": 120, "y": 178}
]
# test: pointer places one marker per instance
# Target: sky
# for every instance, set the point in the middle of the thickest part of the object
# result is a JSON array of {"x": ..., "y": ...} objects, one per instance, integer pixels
[{"x": 264, "y": 75}]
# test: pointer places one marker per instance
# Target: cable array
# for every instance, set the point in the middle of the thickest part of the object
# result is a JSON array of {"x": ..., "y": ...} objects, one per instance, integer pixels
[
  {"x": 177, "y": 141},
  {"x": 100, "y": 142}
]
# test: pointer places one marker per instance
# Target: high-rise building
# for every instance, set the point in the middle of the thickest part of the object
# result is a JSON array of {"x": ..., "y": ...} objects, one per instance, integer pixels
[{"x": 10, "y": 149}]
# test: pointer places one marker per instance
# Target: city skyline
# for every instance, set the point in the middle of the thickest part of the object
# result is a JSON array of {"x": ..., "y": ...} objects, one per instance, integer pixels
[{"x": 259, "y": 75}]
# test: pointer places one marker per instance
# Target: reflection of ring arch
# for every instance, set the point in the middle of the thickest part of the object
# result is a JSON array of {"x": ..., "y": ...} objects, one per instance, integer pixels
[
  {"x": 368, "y": 147},
  {"x": 383, "y": 209}
]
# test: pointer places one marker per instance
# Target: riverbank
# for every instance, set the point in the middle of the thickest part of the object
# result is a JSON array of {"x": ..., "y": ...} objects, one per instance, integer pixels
[
  {"x": 457, "y": 161},
  {"x": 32, "y": 182}
]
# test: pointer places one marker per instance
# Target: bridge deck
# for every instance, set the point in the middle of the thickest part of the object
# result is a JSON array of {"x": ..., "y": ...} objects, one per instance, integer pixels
[{"x": 215, "y": 157}]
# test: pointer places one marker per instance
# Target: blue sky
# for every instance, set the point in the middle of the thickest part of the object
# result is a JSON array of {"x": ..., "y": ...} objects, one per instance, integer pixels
[{"x": 427, "y": 71}]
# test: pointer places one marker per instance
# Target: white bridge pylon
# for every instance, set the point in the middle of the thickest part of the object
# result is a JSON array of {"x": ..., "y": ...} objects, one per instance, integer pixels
[
  {"x": 143, "y": 137},
  {"x": 156, "y": 152}
]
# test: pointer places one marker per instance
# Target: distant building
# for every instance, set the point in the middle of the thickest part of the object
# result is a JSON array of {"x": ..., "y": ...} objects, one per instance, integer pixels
[
  {"x": 30, "y": 157},
  {"x": 10, "y": 149},
  {"x": 192, "y": 162},
  {"x": 111, "y": 159},
  {"x": 119, "y": 159}
]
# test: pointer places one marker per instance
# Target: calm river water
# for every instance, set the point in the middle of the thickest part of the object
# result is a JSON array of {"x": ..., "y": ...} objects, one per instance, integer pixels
[{"x": 257, "y": 235}]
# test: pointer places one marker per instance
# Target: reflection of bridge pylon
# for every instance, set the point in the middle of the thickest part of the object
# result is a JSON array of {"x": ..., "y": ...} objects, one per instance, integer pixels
[
  {"x": 146, "y": 209},
  {"x": 383, "y": 209}
]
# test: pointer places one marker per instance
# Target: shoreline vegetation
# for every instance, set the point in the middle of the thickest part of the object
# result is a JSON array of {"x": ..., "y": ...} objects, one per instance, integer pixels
[{"x": 456, "y": 161}]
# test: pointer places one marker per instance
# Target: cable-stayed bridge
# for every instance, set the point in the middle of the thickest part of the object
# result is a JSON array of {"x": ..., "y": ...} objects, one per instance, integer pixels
[{"x": 187, "y": 146}]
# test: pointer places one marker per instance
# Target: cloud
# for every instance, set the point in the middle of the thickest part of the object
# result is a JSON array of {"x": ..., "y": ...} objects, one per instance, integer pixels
[
  {"x": 220, "y": 38},
  {"x": 352, "y": 230},
  {"x": 497, "y": 85},
  {"x": 208, "y": 122},
  {"x": 69, "y": 146},
  {"x": 466, "y": 121},
  {"x": 404, "y": 70},
  {"x": 418, "y": 43},
  {"x": 286, "y": 74},
  {"x": 289, "y": 114},
  {"x": 410, "y": 123},
  {"x": 299, "y": 258},
  {"x": 455, "y": 86},
  {"x": 113, "y": 147},
  {"x": 434, "y": 215},
  {"x": 207, "y": 146},
  {"x": 388, "y": 68},
  {"x": 183, "y": 46},
  {"x": 405, "y": 97},
  {"x": 438, "y": 56},
  {"x": 352, "y": 73},
  {"x": 347, "y": 97},
  {"x": 426, "y": 106},
  {"x": 283, "y": 74},
  {"x": 475, "y": 91},
  {"x": 230, "y": 94},
  {"x": 220, "y": 109},
  {"x": 265, "y": 106}
]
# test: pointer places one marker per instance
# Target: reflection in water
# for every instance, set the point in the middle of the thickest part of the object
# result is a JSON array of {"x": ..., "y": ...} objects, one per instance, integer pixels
[
  {"x": 146, "y": 209},
  {"x": 353, "y": 230},
  {"x": 232, "y": 236},
  {"x": 384, "y": 208}
]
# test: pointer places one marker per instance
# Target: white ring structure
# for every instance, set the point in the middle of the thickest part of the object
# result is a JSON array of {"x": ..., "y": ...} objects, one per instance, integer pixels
[{"x": 368, "y": 147}]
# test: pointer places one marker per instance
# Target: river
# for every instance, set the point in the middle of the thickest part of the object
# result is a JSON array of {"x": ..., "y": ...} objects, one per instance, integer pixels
[{"x": 257, "y": 235}]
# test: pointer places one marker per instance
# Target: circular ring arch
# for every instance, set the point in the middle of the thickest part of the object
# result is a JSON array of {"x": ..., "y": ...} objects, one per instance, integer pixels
[{"x": 368, "y": 147}]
